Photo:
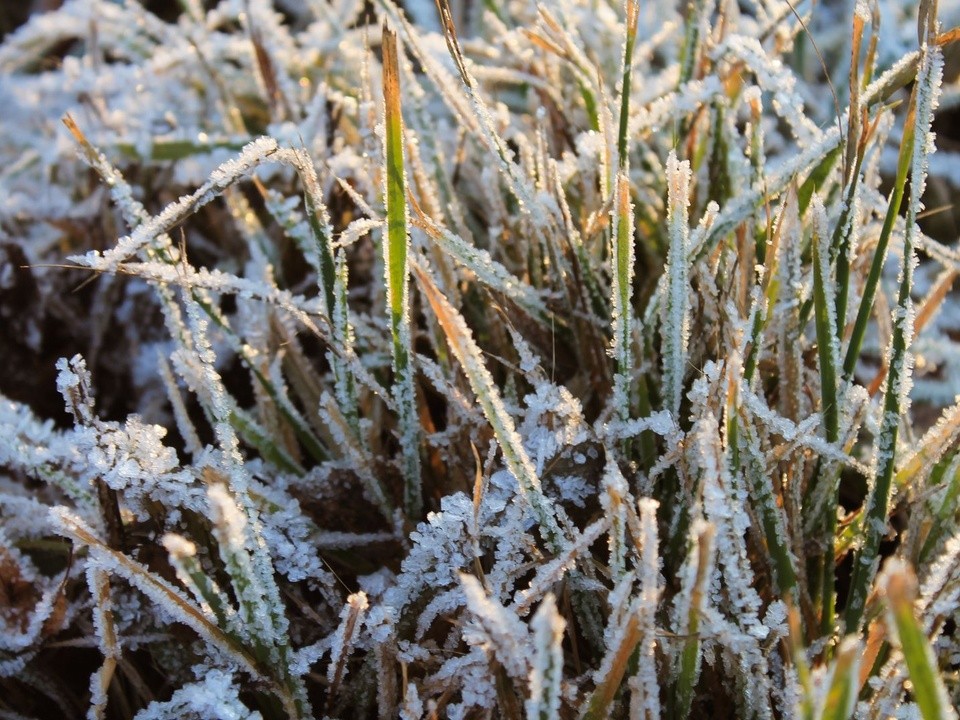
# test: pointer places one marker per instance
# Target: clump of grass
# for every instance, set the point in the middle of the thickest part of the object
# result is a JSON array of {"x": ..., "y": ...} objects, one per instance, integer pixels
[{"x": 477, "y": 362}]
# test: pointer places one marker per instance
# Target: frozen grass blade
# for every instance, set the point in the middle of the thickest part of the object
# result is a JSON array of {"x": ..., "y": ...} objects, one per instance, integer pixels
[
  {"x": 99, "y": 582},
  {"x": 900, "y": 586},
  {"x": 696, "y": 575},
  {"x": 896, "y": 398},
  {"x": 395, "y": 248},
  {"x": 824, "y": 299},
  {"x": 676, "y": 313},
  {"x": 633, "y": 17},
  {"x": 859, "y": 331},
  {"x": 546, "y": 672},
  {"x": 826, "y": 324},
  {"x": 465, "y": 349},
  {"x": 622, "y": 290}
]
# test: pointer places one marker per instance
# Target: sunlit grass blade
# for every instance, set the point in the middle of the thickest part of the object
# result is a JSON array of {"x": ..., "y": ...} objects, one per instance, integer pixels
[
  {"x": 395, "y": 248},
  {"x": 622, "y": 291},
  {"x": 841, "y": 696},
  {"x": 900, "y": 586}
]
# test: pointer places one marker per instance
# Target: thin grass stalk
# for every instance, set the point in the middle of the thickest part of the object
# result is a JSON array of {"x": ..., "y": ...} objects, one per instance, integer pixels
[
  {"x": 395, "y": 248},
  {"x": 855, "y": 151},
  {"x": 880, "y": 252},
  {"x": 99, "y": 583},
  {"x": 633, "y": 16},
  {"x": 923, "y": 102}
]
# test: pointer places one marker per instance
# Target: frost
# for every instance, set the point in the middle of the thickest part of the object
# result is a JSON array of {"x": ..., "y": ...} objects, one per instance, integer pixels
[
  {"x": 240, "y": 424},
  {"x": 215, "y": 697}
]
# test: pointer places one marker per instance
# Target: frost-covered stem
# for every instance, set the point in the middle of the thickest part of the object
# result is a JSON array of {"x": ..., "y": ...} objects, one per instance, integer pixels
[
  {"x": 855, "y": 151},
  {"x": 645, "y": 685},
  {"x": 614, "y": 498},
  {"x": 896, "y": 399},
  {"x": 633, "y": 16},
  {"x": 828, "y": 352},
  {"x": 693, "y": 594},
  {"x": 621, "y": 290},
  {"x": 351, "y": 617},
  {"x": 99, "y": 583},
  {"x": 677, "y": 308},
  {"x": 395, "y": 248},
  {"x": 546, "y": 672}
]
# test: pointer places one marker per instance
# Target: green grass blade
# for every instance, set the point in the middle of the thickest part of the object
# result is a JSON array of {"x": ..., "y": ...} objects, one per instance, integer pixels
[
  {"x": 896, "y": 398},
  {"x": 696, "y": 576},
  {"x": 395, "y": 249},
  {"x": 826, "y": 325},
  {"x": 880, "y": 253},
  {"x": 633, "y": 15},
  {"x": 676, "y": 318},
  {"x": 842, "y": 695},
  {"x": 928, "y": 689}
]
